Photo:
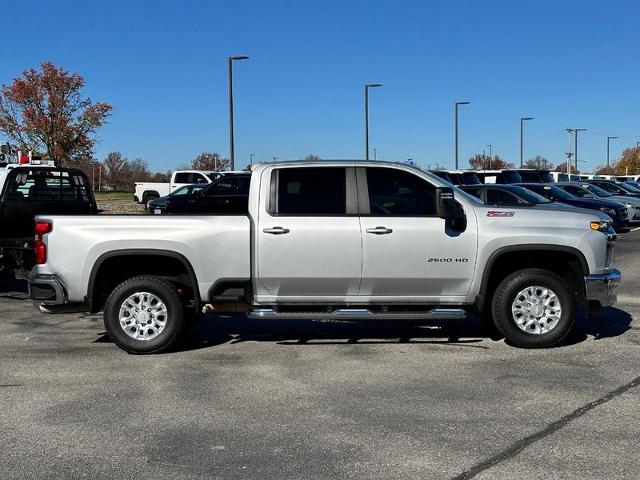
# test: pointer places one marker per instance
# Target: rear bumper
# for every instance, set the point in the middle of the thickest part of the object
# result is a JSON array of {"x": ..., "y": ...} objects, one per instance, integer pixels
[
  {"x": 47, "y": 290},
  {"x": 602, "y": 288}
]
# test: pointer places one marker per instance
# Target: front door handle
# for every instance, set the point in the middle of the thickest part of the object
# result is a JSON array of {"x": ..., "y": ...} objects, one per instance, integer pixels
[
  {"x": 379, "y": 230},
  {"x": 276, "y": 230}
]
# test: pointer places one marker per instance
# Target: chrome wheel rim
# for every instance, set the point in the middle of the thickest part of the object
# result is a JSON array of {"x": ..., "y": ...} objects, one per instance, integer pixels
[
  {"x": 536, "y": 310},
  {"x": 143, "y": 316}
]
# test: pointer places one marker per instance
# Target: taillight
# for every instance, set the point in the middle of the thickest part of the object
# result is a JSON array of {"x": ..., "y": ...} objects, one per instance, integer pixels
[{"x": 41, "y": 229}]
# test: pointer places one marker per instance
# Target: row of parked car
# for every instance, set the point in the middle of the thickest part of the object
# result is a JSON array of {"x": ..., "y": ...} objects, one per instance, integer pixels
[{"x": 617, "y": 198}]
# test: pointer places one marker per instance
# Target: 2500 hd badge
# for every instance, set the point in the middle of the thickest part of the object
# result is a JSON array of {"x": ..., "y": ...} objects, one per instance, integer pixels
[{"x": 447, "y": 260}]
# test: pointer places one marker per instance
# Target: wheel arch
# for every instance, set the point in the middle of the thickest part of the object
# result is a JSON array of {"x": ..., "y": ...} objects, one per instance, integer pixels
[
  {"x": 510, "y": 258},
  {"x": 94, "y": 301}
]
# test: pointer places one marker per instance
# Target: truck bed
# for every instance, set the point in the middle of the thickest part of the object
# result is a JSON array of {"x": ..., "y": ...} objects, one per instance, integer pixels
[{"x": 216, "y": 247}]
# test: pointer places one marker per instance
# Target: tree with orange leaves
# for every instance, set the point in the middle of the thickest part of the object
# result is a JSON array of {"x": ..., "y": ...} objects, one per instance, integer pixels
[{"x": 45, "y": 111}]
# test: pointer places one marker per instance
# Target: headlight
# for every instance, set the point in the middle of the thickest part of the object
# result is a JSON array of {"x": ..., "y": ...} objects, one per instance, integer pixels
[
  {"x": 608, "y": 211},
  {"x": 599, "y": 225}
]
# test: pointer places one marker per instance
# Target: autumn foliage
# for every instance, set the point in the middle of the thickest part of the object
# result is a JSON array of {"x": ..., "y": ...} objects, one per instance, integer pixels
[
  {"x": 485, "y": 162},
  {"x": 45, "y": 111}
]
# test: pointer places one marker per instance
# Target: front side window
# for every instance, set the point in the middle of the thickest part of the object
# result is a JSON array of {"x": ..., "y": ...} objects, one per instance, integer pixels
[
  {"x": 399, "y": 193},
  {"x": 310, "y": 191}
]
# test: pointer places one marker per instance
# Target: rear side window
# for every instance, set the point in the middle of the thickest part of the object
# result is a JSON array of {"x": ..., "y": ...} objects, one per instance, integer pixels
[
  {"x": 181, "y": 178},
  {"x": 310, "y": 191},
  {"x": 399, "y": 193}
]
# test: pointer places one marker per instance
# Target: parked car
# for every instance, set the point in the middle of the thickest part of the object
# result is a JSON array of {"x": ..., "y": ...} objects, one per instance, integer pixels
[
  {"x": 615, "y": 187},
  {"x": 617, "y": 211},
  {"x": 506, "y": 195},
  {"x": 503, "y": 176},
  {"x": 531, "y": 175},
  {"x": 229, "y": 194},
  {"x": 565, "y": 177},
  {"x": 587, "y": 190},
  {"x": 333, "y": 240},
  {"x": 26, "y": 191},
  {"x": 458, "y": 177},
  {"x": 146, "y": 191},
  {"x": 158, "y": 205}
]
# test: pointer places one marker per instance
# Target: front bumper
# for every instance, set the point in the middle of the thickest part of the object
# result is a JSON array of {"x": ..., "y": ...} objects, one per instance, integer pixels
[
  {"x": 47, "y": 290},
  {"x": 602, "y": 288}
]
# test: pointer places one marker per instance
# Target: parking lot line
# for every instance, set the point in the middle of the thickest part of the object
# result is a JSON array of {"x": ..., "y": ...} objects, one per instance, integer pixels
[{"x": 634, "y": 229}]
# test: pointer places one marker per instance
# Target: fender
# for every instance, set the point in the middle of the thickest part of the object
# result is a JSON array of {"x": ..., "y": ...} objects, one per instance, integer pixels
[{"x": 141, "y": 251}]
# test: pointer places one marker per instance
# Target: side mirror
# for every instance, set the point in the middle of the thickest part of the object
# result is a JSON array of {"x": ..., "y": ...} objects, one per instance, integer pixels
[{"x": 449, "y": 209}]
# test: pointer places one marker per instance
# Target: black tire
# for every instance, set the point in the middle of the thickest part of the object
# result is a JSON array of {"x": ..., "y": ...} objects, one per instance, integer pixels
[
  {"x": 147, "y": 198},
  {"x": 162, "y": 289},
  {"x": 505, "y": 294}
]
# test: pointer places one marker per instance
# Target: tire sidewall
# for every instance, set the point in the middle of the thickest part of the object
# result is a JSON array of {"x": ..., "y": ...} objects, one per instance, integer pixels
[
  {"x": 505, "y": 295},
  {"x": 166, "y": 293}
]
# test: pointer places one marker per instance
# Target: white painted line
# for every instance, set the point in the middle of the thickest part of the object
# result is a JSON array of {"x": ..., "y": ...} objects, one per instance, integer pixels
[{"x": 634, "y": 229}]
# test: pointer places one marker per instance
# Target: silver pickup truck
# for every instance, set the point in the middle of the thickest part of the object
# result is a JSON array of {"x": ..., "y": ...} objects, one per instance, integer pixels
[{"x": 332, "y": 240}]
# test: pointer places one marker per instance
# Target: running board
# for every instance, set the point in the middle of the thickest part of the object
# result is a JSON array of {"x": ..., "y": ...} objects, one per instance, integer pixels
[{"x": 358, "y": 314}]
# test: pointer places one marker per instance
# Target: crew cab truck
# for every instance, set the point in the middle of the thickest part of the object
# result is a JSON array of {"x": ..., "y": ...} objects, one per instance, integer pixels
[{"x": 332, "y": 240}]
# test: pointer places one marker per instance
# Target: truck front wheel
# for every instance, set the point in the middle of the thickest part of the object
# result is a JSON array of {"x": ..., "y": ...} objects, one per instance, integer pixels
[
  {"x": 534, "y": 308},
  {"x": 144, "y": 314}
]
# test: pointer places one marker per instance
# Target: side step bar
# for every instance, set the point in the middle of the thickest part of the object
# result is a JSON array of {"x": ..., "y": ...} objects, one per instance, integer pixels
[{"x": 358, "y": 314}]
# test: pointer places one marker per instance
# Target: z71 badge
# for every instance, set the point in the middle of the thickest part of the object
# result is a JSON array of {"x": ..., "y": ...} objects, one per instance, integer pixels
[{"x": 498, "y": 213}]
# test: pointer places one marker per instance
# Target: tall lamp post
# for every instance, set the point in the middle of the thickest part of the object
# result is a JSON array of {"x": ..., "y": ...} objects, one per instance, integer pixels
[
  {"x": 230, "y": 61},
  {"x": 575, "y": 145},
  {"x": 490, "y": 155},
  {"x": 608, "y": 144},
  {"x": 455, "y": 122},
  {"x": 366, "y": 116},
  {"x": 522, "y": 120}
]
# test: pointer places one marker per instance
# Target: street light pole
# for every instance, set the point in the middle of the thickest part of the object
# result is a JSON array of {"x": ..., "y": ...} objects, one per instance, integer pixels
[
  {"x": 230, "y": 61},
  {"x": 456, "y": 130},
  {"x": 490, "y": 155},
  {"x": 575, "y": 145},
  {"x": 251, "y": 155},
  {"x": 608, "y": 144},
  {"x": 366, "y": 117},
  {"x": 522, "y": 120}
]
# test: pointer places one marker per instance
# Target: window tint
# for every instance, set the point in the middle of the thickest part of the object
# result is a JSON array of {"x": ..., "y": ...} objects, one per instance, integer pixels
[
  {"x": 500, "y": 197},
  {"x": 311, "y": 191},
  {"x": 230, "y": 185},
  {"x": 198, "y": 178},
  {"x": 476, "y": 192},
  {"x": 181, "y": 178},
  {"x": 398, "y": 193}
]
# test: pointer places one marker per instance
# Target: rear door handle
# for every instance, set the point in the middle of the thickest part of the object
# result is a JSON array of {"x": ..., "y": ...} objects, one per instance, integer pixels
[
  {"x": 379, "y": 230},
  {"x": 276, "y": 230}
]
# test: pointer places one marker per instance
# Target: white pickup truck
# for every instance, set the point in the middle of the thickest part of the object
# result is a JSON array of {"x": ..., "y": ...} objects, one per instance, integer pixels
[
  {"x": 333, "y": 240},
  {"x": 147, "y": 191}
]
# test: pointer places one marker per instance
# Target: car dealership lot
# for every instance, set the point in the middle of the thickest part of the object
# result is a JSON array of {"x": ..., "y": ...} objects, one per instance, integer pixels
[{"x": 293, "y": 399}]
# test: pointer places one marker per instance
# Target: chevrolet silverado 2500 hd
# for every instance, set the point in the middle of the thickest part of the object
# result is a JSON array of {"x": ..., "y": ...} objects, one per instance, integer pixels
[{"x": 332, "y": 240}]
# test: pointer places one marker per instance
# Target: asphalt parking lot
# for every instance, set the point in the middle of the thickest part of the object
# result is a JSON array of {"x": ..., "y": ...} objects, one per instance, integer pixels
[{"x": 316, "y": 400}]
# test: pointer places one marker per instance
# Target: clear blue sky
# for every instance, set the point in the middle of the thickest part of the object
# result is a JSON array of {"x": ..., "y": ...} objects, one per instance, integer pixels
[{"x": 162, "y": 65}]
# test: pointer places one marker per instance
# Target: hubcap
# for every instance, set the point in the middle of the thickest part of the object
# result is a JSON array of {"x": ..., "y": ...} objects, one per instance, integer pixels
[
  {"x": 536, "y": 310},
  {"x": 143, "y": 316}
]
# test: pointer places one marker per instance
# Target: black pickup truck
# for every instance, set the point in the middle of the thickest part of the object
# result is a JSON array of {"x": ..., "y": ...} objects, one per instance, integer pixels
[{"x": 27, "y": 191}]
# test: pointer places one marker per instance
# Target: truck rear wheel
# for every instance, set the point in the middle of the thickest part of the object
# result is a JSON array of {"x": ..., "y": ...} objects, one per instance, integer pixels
[
  {"x": 534, "y": 308},
  {"x": 144, "y": 314}
]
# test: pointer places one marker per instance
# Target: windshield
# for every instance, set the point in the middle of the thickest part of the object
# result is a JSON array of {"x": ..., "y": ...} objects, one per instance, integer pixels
[
  {"x": 550, "y": 192},
  {"x": 187, "y": 189},
  {"x": 629, "y": 188},
  {"x": 595, "y": 190},
  {"x": 530, "y": 196}
]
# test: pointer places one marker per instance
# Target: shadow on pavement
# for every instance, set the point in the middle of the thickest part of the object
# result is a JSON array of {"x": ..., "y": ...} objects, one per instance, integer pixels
[
  {"x": 610, "y": 322},
  {"x": 12, "y": 288}
]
